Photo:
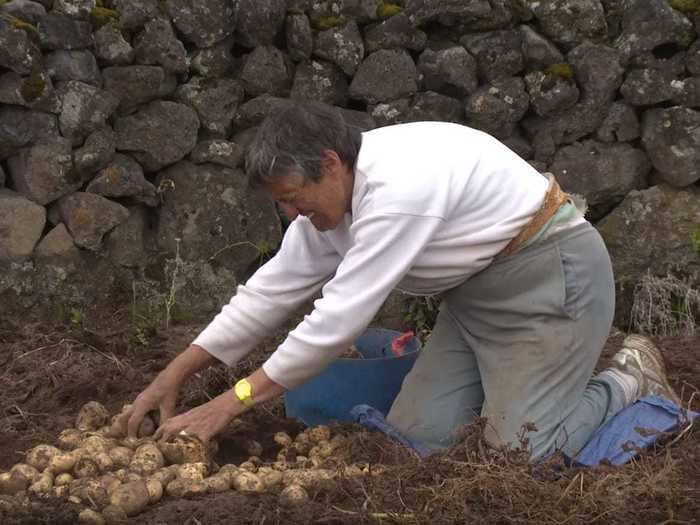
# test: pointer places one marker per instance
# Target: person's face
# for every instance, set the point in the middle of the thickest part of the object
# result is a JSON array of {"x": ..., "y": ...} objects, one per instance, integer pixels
[{"x": 323, "y": 202}]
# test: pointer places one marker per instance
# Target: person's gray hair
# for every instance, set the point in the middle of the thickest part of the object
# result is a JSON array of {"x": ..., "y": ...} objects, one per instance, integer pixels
[{"x": 293, "y": 140}]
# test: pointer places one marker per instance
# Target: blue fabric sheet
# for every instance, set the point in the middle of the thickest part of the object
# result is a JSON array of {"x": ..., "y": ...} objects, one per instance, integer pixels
[{"x": 619, "y": 440}]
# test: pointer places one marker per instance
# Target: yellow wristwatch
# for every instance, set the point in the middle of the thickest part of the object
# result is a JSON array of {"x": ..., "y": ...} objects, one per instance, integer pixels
[{"x": 244, "y": 392}]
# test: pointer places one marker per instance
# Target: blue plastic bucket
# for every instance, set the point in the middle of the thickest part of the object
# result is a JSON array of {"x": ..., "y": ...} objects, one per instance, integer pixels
[{"x": 374, "y": 380}]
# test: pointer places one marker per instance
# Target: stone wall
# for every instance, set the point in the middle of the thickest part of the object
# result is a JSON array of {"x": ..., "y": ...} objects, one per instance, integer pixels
[{"x": 123, "y": 125}]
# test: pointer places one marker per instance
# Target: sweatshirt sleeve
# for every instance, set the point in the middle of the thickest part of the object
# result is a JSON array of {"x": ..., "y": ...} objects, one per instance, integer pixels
[
  {"x": 383, "y": 250},
  {"x": 305, "y": 260}
]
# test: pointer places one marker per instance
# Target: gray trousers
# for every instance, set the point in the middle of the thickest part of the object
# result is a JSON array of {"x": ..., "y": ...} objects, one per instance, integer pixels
[{"x": 517, "y": 344}]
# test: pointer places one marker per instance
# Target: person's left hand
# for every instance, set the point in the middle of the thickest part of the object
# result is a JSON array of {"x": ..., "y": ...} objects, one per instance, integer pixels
[{"x": 204, "y": 421}]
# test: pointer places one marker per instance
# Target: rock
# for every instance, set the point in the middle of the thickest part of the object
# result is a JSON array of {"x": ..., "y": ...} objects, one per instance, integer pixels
[
  {"x": 396, "y": 32},
  {"x": 73, "y": 65},
  {"x": 498, "y": 106},
  {"x": 216, "y": 101},
  {"x": 259, "y": 21},
  {"x": 43, "y": 172},
  {"x": 538, "y": 52},
  {"x": 89, "y": 216},
  {"x": 217, "y": 151},
  {"x": 17, "y": 51},
  {"x": 647, "y": 25},
  {"x": 384, "y": 75},
  {"x": 212, "y": 212},
  {"x": 202, "y": 23},
  {"x": 15, "y": 130},
  {"x": 602, "y": 173},
  {"x": 2, "y": 177},
  {"x": 141, "y": 134},
  {"x": 388, "y": 113},
  {"x": 671, "y": 139},
  {"x": 136, "y": 85},
  {"x": 84, "y": 109},
  {"x": 300, "y": 39},
  {"x": 96, "y": 153},
  {"x": 571, "y": 22},
  {"x": 521, "y": 146},
  {"x": 24, "y": 10},
  {"x": 123, "y": 177},
  {"x": 341, "y": 45},
  {"x": 267, "y": 70},
  {"x": 126, "y": 243},
  {"x": 550, "y": 94},
  {"x": 111, "y": 47},
  {"x": 646, "y": 87},
  {"x": 58, "y": 31},
  {"x": 43, "y": 126},
  {"x": 214, "y": 61},
  {"x": 498, "y": 53},
  {"x": 451, "y": 71},
  {"x": 257, "y": 109},
  {"x": 598, "y": 72},
  {"x": 429, "y": 105},
  {"x": 500, "y": 15},
  {"x": 157, "y": 45},
  {"x": 687, "y": 92},
  {"x": 693, "y": 58},
  {"x": 133, "y": 14},
  {"x": 321, "y": 81},
  {"x": 364, "y": 11},
  {"x": 449, "y": 12},
  {"x": 35, "y": 91},
  {"x": 80, "y": 9},
  {"x": 58, "y": 243},
  {"x": 357, "y": 119},
  {"x": 620, "y": 125},
  {"x": 651, "y": 231},
  {"x": 21, "y": 224}
]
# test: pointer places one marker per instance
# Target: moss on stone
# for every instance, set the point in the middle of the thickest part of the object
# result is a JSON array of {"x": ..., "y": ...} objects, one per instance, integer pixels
[
  {"x": 328, "y": 22},
  {"x": 386, "y": 9},
  {"x": 33, "y": 86},
  {"x": 561, "y": 70},
  {"x": 688, "y": 7},
  {"x": 20, "y": 24},
  {"x": 295, "y": 11},
  {"x": 101, "y": 16}
]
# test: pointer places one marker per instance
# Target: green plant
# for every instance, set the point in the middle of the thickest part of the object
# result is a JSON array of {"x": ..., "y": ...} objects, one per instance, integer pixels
[
  {"x": 263, "y": 248},
  {"x": 170, "y": 298},
  {"x": 328, "y": 22},
  {"x": 421, "y": 313},
  {"x": 33, "y": 86},
  {"x": 19, "y": 24},
  {"x": 562, "y": 70},
  {"x": 387, "y": 9},
  {"x": 100, "y": 16},
  {"x": 688, "y": 7},
  {"x": 695, "y": 240}
]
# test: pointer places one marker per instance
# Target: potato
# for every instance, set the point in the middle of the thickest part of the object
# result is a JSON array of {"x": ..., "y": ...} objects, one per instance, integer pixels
[
  {"x": 182, "y": 449},
  {"x": 308, "y": 478},
  {"x": 283, "y": 439},
  {"x": 70, "y": 438},
  {"x": 92, "y": 416},
  {"x": 165, "y": 475},
  {"x": 193, "y": 471},
  {"x": 62, "y": 463},
  {"x": 132, "y": 476},
  {"x": 85, "y": 468},
  {"x": 155, "y": 490},
  {"x": 62, "y": 479},
  {"x": 182, "y": 487},
  {"x": 248, "y": 482},
  {"x": 91, "y": 517},
  {"x": 43, "y": 485},
  {"x": 293, "y": 495},
  {"x": 147, "y": 459},
  {"x": 319, "y": 433},
  {"x": 131, "y": 497},
  {"x": 218, "y": 483},
  {"x": 39, "y": 456},
  {"x": 94, "y": 444},
  {"x": 270, "y": 478},
  {"x": 27, "y": 471},
  {"x": 110, "y": 482},
  {"x": 229, "y": 471},
  {"x": 89, "y": 490},
  {"x": 247, "y": 465},
  {"x": 121, "y": 474},
  {"x": 12, "y": 482},
  {"x": 131, "y": 442},
  {"x": 280, "y": 465},
  {"x": 74, "y": 499},
  {"x": 121, "y": 456},
  {"x": 114, "y": 515},
  {"x": 147, "y": 427}
]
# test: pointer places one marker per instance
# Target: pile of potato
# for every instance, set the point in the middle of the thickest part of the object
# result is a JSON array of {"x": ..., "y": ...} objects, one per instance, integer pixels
[{"x": 115, "y": 477}]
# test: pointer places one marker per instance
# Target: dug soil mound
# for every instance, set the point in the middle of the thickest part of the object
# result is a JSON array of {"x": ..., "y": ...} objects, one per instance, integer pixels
[{"x": 48, "y": 373}]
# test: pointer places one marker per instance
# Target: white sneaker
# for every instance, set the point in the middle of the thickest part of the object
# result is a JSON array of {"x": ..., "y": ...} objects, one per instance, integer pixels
[{"x": 641, "y": 358}]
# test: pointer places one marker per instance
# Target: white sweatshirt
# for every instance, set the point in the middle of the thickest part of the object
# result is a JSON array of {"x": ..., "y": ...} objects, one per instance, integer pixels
[{"x": 432, "y": 204}]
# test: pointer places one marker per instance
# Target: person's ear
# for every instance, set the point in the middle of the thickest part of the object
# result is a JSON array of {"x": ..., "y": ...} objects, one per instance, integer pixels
[{"x": 330, "y": 161}]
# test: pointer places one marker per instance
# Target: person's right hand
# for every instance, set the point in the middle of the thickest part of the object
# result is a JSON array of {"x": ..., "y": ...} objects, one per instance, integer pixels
[{"x": 160, "y": 395}]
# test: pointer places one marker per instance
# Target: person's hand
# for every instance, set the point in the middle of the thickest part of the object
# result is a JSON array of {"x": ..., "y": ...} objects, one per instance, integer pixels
[{"x": 203, "y": 422}]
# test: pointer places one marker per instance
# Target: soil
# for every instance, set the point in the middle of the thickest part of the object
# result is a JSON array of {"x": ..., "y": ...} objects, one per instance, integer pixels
[{"x": 47, "y": 373}]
